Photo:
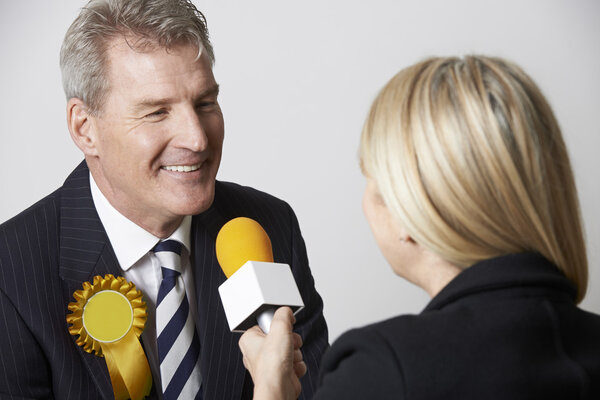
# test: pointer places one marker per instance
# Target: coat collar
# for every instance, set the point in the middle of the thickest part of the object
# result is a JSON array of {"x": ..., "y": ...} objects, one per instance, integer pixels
[
  {"x": 509, "y": 271},
  {"x": 84, "y": 247}
]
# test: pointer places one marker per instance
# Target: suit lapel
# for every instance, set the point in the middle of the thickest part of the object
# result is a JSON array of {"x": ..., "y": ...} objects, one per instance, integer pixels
[
  {"x": 222, "y": 368},
  {"x": 84, "y": 253}
]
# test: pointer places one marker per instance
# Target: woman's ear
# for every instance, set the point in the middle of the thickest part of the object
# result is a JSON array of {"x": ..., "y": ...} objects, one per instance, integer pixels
[
  {"x": 404, "y": 236},
  {"x": 80, "y": 126}
]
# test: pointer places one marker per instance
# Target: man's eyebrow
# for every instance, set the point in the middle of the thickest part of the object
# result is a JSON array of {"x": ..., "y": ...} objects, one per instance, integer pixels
[
  {"x": 161, "y": 102},
  {"x": 212, "y": 91},
  {"x": 151, "y": 103}
]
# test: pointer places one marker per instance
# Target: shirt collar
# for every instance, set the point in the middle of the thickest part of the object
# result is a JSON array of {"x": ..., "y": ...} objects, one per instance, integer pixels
[{"x": 130, "y": 241}]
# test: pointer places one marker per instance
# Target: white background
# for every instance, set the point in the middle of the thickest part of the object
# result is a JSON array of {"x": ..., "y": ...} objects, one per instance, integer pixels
[{"x": 297, "y": 79}]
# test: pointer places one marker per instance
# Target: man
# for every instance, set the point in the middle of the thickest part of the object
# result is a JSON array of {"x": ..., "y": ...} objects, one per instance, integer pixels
[{"x": 143, "y": 108}]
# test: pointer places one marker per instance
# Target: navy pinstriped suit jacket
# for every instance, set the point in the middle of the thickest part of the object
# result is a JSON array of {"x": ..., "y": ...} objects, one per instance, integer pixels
[{"x": 50, "y": 249}]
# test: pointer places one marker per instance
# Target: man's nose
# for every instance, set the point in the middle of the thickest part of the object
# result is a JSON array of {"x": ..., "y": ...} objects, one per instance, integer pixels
[{"x": 191, "y": 132}]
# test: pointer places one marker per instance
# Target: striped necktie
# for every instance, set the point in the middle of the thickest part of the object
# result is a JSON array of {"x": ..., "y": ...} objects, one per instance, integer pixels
[{"x": 177, "y": 340}]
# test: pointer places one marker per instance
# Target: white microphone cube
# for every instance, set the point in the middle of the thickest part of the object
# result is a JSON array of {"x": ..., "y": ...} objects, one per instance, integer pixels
[{"x": 256, "y": 287}]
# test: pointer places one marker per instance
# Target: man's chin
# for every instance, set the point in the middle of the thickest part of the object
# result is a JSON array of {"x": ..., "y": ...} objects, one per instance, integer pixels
[{"x": 195, "y": 205}]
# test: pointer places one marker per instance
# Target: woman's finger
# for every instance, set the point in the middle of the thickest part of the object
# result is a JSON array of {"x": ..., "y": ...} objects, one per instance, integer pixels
[
  {"x": 300, "y": 369},
  {"x": 283, "y": 319},
  {"x": 297, "y": 340},
  {"x": 297, "y": 355},
  {"x": 249, "y": 337}
]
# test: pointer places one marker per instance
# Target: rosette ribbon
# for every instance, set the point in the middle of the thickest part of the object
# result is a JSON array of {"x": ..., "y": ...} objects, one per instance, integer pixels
[{"x": 108, "y": 317}]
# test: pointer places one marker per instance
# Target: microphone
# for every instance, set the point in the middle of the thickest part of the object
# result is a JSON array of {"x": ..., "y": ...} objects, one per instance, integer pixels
[{"x": 255, "y": 286}]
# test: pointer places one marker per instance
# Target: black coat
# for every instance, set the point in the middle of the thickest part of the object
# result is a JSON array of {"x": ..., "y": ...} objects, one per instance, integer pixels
[{"x": 505, "y": 328}]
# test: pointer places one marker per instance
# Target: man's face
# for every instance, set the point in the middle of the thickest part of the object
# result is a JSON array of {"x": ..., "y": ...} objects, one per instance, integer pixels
[{"x": 158, "y": 135}]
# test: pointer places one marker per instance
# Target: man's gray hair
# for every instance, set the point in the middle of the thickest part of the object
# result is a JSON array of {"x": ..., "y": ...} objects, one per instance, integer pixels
[{"x": 143, "y": 23}]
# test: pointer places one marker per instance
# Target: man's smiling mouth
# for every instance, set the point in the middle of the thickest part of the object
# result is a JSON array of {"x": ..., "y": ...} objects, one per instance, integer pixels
[{"x": 182, "y": 168}]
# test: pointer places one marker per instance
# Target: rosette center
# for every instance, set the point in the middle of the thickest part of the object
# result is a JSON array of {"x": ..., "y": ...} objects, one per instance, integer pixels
[{"x": 107, "y": 316}]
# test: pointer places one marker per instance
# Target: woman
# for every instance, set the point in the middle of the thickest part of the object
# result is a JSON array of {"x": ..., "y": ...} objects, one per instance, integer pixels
[{"x": 470, "y": 195}]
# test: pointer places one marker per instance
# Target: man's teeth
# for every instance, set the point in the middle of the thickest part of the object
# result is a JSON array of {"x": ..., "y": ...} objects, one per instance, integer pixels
[{"x": 182, "y": 168}]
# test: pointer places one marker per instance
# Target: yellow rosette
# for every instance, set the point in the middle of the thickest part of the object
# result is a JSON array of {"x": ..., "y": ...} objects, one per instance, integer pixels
[{"x": 109, "y": 316}]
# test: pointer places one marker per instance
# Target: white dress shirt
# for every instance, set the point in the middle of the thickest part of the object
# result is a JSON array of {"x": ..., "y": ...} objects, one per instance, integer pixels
[{"x": 133, "y": 247}]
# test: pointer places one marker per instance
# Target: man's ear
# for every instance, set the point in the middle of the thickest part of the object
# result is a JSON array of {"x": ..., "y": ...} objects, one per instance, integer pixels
[{"x": 81, "y": 127}]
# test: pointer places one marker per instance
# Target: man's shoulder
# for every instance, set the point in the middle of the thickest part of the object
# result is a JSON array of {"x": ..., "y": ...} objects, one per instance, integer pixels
[
  {"x": 46, "y": 209},
  {"x": 233, "y": 200},
  {"x": 28, "y": 242},
  {"x": 234, "y": 195}
]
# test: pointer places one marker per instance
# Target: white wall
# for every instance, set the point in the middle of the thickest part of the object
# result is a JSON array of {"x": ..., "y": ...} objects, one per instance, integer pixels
[{"x": 297, "y": 80}]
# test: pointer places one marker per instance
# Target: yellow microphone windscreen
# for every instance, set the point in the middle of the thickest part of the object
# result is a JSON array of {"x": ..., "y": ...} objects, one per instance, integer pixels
[{"x": 239, "y": 240}]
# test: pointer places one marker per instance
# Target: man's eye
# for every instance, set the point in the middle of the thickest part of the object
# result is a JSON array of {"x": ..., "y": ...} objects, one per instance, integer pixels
[
  {"x": 206, "y": 104},
  {"x": 157, "y": 114}
]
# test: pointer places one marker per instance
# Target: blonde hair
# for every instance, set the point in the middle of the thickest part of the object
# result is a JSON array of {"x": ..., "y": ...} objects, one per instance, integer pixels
[
  {"x": 145, "y": 23},
  {"x": 469, "y": 157}
]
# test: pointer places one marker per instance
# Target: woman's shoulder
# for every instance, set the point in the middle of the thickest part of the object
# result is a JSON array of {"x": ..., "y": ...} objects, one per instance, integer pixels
[
  {"x": 400, "y": 356},
  {"x": 466, "y": 349},
  {"x": 364, "y": 363},
  {"x": 380, "y": 335}
]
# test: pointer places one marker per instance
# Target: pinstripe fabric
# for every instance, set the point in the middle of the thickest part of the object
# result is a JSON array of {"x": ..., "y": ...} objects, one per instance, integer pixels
[
  {"x": 220, "y": 345},
  {"x": 46, "y": 253},
  {"x": 50, "y": 249}
]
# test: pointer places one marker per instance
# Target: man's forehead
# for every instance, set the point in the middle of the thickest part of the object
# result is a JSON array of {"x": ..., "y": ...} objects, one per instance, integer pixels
[
  {"x": 128, "y": 64},
  {"x": 156, "y": 75},
  {"x": 133, "y": 44}
]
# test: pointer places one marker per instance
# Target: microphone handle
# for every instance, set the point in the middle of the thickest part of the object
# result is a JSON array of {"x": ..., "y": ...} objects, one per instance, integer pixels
[{"x": 264, "y": 319}]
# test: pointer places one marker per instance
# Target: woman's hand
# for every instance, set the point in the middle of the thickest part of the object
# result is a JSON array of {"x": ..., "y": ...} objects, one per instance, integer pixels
[{"x": 274, "y": 360}]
